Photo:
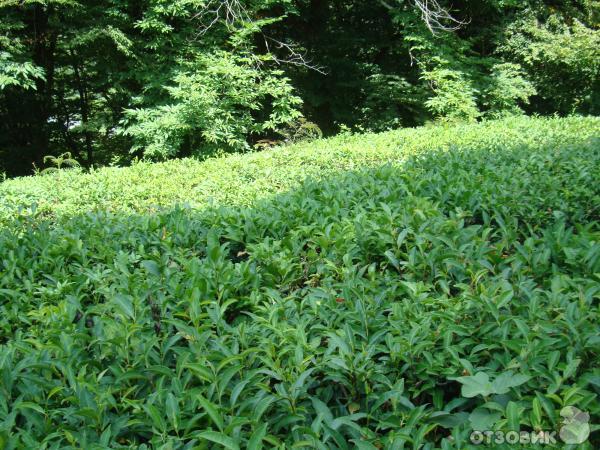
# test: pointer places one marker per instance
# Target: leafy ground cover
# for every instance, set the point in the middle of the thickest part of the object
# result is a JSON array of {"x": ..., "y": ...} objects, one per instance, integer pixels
[
  {"x": 241, "y": 179},
  {"x": 382, "y": 291}
]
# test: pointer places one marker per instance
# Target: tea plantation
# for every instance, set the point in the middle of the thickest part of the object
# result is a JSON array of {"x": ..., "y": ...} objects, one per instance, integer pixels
[{"x": 388, "y": 291}]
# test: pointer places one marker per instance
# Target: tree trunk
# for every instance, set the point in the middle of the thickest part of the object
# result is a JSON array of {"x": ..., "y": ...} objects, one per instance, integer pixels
[
  {"x": 45, "y": 41},
  {"x": 84, "y": 109}
]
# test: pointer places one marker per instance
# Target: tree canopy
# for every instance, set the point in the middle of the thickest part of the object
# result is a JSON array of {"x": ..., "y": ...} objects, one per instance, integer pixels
[{"x": 112, "y": 80}]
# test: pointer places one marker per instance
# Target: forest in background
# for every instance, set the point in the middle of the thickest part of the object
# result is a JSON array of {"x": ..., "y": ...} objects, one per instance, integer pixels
[{"x": 113, "y": 80}]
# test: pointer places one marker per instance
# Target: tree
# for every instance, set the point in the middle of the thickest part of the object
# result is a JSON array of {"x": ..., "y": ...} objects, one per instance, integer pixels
[{"x": 111, "y": 80}]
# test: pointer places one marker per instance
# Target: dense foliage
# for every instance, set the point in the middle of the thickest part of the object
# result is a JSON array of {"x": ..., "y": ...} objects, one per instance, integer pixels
[
  {"x": 312, "y": 296},
  {"x": 110, "y": 80}
]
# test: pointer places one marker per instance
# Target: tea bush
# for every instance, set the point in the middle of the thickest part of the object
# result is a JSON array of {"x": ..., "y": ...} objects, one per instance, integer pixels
[
  {"x": 240, "y": 179},
  {"x": 381, "y": 291}
]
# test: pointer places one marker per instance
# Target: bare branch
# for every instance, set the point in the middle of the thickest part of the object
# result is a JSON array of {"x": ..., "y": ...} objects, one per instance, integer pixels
[
  {"x": 228, "y": 11},
  {"x": 294, "y": 57},
  {"x": 232, "y": 12},
  {"x": 435, "y": 16}
]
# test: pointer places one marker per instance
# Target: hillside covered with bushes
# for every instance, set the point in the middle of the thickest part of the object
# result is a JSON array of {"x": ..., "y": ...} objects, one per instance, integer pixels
[{"x": 369, "y": 291}]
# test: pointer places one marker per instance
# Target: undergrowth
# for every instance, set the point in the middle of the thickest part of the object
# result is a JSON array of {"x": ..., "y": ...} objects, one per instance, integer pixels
[{"x": 382, "y": 291}]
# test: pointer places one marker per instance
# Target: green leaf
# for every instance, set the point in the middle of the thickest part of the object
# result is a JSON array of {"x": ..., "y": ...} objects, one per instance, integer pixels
[
  {"x": 172, "y": 408},
  {"x": 392, "y": 258},
  {"x": 262, "y": 406},
  {"x": 507, "y": 380},
  {"x": 29, "y": 405},
  {"x": 482, "y": 419},
  {"x": 236, "y": 391},
  {"x": 547, "y": 406},
  {"x": 219, "y": 438},
  {"x": 513, "y": 416},
  {"x": 156, "y": 417},
  {"x": 323, "y": 409},
  {"x": 255, "y": 442},
  {"x": 106, "y": 436},
  {"x": 200, "y": 371},
  {"x": 151, "y": 267},
  {"x": 536, "y": 413},
  {"x": 300, "y": 383},
  {"x": 571, "y": 368},
  {"x": 401, "y": 237},
  {"x": 124, "y": 305},
  {"x": 363, "y": 445},
  {"x": 212, "y": 411},
  {"x": 448, "y": 420},
  {"x": 478, "y": 384}
]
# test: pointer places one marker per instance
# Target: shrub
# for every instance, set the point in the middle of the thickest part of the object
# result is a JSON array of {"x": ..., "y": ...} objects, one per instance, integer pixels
[
  {"x": 454, "y": 97},
  {"x": 508, "y": 89},
  {"x": 375, "y": 305},
  {"x": 220, "y": 102},
  {"x": 563, "y": 60}
]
